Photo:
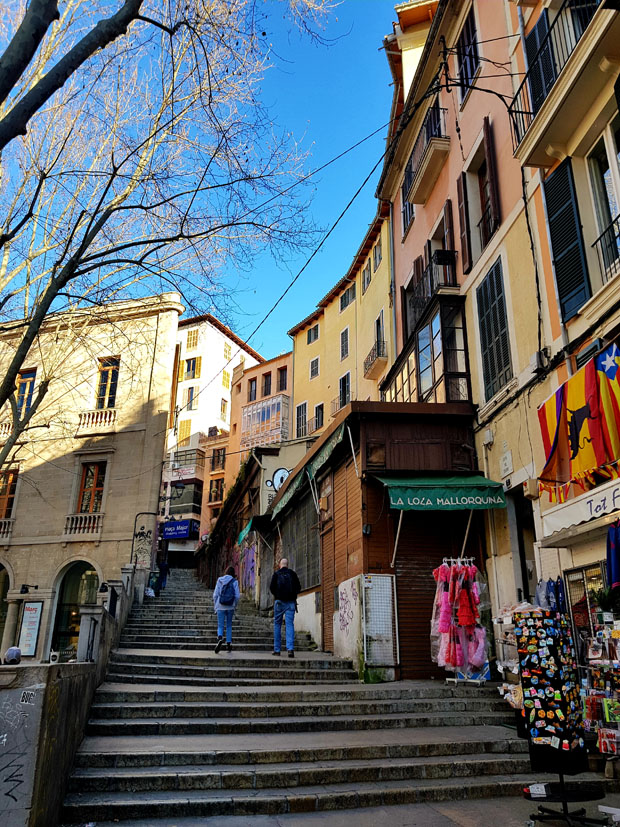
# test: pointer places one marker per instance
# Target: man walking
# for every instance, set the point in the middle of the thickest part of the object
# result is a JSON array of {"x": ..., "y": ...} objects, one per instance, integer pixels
[{"x": 285, "y": 587}]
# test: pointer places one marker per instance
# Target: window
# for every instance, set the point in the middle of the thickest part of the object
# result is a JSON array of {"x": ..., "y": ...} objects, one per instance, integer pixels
[
  {"x": 366, "y": 276},
  {"x": 192, "y": 339},
  {"x": 185, "y": 430},
  {"x": 301, "y": 420},
  {"x": 347, "y": 297},
  {"x": 252, "y": 390},
  {"x": 226, "y": 379},
  {"x": 344, "y": 343},
  {"x": 541, "y": 62},
  {"x": 223, "y": 409},
  {"x": 227, "y": 351},
  {"x": 190, "y": 500},
  {"x": 318, "y": 416},
  {"x": 429, "y": 357},
  {"x": 569, "y": 260},
  {"x": 380, "y": 335},
  {"x": 266, "y": 384},
  {"x": 494, "y": 341},
  {"x": 344, "y": 390},
  {"x": 604, "y": 167},
  {"x": 313, "y": 334},
  {"x": 314, "y": 368},
  {"x": 25, "y": 390},
  {"x": 377, "y": 254},
  {"x": 8, "y": 484},
  {"x": 218, "y": 459},
  {"x": 108, "y": 381},
  {"x": 91, "y": 487},
  {"x": 282, "y": 378},
  {"x": 467, "y": 53},
  {"x": 191, "y": 398},
  {"x": 190, "y": 368}
]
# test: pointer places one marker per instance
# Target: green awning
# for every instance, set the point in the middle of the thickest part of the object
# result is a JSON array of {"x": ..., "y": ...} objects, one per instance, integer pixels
[
  {"x": 244, "y": 531},
  {"x": 444, "y": 493}
]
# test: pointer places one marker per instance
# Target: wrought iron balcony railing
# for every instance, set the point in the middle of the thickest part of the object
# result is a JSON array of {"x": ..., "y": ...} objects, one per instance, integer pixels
[
  {"x": 486, "y": 227},
  {"x": 607, "y": 247},
  {"x": 378, "y": 351},
  {"x": 433, "y": 126},
  {"x": 441, "y": 272},
  {"x": 339, "y": 402},
  {"x": 556, "y": 47}
]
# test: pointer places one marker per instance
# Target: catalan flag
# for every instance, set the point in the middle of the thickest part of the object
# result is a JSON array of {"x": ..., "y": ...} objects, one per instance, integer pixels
[
  {"x": 586, "y": 444},
  {"x": 551, "y": 416},
  {"x": 608, "y": 373}
]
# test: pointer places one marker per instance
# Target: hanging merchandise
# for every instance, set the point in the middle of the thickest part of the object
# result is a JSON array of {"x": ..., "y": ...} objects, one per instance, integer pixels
[
  {"x": 541, "y": 594},
  {"x": 458, "y": 639},
  {"x": 551, "y": 700}
]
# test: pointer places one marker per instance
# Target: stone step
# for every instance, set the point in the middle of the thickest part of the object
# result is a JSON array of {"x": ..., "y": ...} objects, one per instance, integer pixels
[
  {"x": 233, "y": 673},
  {"x": 155, "y": 756},
  {"x": 203, "y": 803},
  {"x": 299, "y": 709},
  {"x": 276, "y": 776},
  {"x": 148, "y": 678},
  {"x": 208, "y": 643},
  {"x": 207, "y": 635},
  {"x": 110, "y": 692},
  {"x": 310, "y": 660},
  {"x": 329, "y": 723}
]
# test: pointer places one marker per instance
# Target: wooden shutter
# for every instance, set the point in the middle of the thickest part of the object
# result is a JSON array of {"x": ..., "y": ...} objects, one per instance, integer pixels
[
  {"x": 198, "y": 366},
  {"x": 428, "y": 253},
  {"x": 489, "y": 154},
  {"x": 448, "y": 226},
  {"x": 494, "y": 339},
  {"x": 185, "y": 427},
  {"x": 403, "y": 314},
  {"x": 181, "y": 370},
  {"x": 465, "y": 235},
  {"x": 541, "y": 62},
  {"x": 418, "y": 269},
  {"x": 569, "y": 261}
]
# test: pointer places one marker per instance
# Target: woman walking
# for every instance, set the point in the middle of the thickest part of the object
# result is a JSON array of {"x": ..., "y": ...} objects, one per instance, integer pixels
[{"x": 225, "y": 599}]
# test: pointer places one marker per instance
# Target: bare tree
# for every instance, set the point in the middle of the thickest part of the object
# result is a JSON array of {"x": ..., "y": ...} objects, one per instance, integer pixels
[{"x": 136, "y": 157}]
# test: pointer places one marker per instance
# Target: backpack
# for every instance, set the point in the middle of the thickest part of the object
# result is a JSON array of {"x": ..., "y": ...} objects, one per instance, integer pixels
[{"x": 227, "y": 595}]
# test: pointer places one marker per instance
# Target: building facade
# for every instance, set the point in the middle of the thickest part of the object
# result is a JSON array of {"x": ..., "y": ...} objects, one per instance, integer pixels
[{"x": 80, "y": 490}]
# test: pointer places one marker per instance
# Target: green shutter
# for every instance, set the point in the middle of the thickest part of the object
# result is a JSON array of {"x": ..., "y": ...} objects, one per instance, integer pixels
[
  {"x": 569, "y": 260},
  {"x": 494, "y": 339}
]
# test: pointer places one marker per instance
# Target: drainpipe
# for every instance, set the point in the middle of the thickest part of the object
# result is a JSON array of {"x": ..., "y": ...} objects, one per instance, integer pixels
[{"x": 392, "y": 282}]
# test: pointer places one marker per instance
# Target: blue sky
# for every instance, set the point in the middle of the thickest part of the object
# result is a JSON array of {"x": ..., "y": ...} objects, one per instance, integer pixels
[{"x": 329, "y": 97}]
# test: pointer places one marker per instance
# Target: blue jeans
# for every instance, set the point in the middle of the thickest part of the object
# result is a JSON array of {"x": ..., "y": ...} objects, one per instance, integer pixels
[
  {"x": 286, "y": 611},
  {"x": 225, "y": 618}
]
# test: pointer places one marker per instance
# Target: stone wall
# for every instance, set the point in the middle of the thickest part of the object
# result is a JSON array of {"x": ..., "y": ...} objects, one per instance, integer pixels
[{"x": 348, "y": 641}]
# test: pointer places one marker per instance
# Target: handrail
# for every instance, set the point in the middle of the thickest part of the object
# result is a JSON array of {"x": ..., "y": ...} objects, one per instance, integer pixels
[{"x": 607, "y": 247}]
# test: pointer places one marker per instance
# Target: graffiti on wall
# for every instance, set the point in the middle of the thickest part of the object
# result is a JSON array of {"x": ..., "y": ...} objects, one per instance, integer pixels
[
  {"x": 20, "y": 712},
  {"x": 243, "y": 560},
  {"x": 348, "y": 597}
]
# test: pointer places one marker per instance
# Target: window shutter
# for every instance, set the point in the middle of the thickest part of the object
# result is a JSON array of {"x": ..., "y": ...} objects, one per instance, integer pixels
[
  {"x": 418, "y": 269},
  {"x": 403, "y": 313},
  {"x": 184, "y": 431},
  {"x": 465, "y": 236},
  {"x": 494, "y": 339},
  {"x": 540, "y": 62},
  {"x": 198, "y": 366},
  {"x": 448, "y": 226},
  {"x": 569, "y": 261},
  {"x": 344, "y": 343},
  {"x": 181, "y": 370},
  {"x": 489, "y": 154}
]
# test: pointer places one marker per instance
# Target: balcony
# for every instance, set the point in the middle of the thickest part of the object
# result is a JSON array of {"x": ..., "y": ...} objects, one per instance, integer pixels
[
  {"x": 339, "y": 402},
  {"x": 607, "y": 247},
  {"x": 572, "y": 67},
  {"x": 429, "y": 153},
  {"x": 6, "y": 528},
  {"x": 376, "y": 361},
  {"x": 187, "y": 465},
  {"x": 218, "y": 463},
  {"x": 315, "y": 424},
  {"x": 83, "y": 526},
  {"x": 97, "y": 422},
  {"x": 439, "y": 274},
  {"x": 5, "y": 430},
  {"x": 265, "y": 422}
]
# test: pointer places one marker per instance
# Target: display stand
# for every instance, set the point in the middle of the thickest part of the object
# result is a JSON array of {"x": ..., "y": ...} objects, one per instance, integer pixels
[{"x": 560, "y": 794}]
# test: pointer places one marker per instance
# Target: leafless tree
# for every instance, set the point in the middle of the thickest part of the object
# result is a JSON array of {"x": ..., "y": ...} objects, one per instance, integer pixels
[{"x": 136, "y": 156}]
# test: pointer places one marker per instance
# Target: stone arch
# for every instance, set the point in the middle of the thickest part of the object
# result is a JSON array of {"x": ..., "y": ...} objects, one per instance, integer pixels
[
  {"x": 76, "y": 583},
  {"x": 7, "y": 581}
]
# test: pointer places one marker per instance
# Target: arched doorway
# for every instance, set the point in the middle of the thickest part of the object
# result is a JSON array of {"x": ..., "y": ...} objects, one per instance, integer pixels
[
  {"x": 4, "y": 606},
  {"x": 78, "y": 588}
]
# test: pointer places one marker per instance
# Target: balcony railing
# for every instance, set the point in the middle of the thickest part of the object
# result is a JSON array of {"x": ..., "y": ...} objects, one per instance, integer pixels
[
  {"x": 377, "y": 352},
  {"x": 429, "y": 153},
  {"x": 433, "y": 126},
  {"x": 557, "y": 46},
  {"x": 96, "y": 421},
  {"x": 441, "y": 272},
  {"x": 83, "y": 526},
  {"x": 315, "y": 423},
  {"x": 607, "y": 247},
  {"x": 5, "y": 430},
  {"x": 339, "y": 402},
  {"x": 486, "y": 226},
  {"x": 6, "y": 527}
]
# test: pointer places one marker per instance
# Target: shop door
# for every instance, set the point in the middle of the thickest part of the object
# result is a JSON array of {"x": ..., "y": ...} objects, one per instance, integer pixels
[
  {"x": 327, "y": 589},
  {"x": 425, "y": 539}
]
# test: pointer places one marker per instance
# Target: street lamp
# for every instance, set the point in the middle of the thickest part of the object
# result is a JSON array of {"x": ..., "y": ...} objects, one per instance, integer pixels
[{"x": 25, "y": 588}]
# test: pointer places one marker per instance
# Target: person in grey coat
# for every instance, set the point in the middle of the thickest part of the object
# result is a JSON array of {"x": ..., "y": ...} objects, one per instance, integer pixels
[{"x": 225, "y": 599}]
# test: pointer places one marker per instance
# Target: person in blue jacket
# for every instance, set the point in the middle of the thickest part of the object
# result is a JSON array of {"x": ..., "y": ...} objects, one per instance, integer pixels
[{"x": 225, "y": 599}]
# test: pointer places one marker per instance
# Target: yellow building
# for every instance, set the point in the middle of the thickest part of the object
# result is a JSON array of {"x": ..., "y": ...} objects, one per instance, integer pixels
[{"x": 342, "y": 350}]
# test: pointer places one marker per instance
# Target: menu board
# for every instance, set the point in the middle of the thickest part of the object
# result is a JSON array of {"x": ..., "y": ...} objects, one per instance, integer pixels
[
  {"x": 551, "y": 702},
  {"x": 29, "y": 632}
]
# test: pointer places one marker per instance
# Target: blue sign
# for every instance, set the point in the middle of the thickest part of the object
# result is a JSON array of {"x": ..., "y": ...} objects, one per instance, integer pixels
[{"x": 181, "y": 530}]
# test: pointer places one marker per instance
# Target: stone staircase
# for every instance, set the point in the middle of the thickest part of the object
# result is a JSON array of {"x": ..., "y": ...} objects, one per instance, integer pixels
[{"x": 176, "y": 734}]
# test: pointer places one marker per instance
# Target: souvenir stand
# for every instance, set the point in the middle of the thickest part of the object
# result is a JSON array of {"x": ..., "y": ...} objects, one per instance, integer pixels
[{"x": 552, "y": 710}]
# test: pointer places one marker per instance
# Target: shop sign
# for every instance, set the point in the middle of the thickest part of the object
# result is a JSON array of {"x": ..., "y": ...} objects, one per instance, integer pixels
[
  {"x": 181, "y": 530},
  {"x": 596, "y": 503},
  {"x": 31, "y": 623},
  {"x": 435, "y": 501}
]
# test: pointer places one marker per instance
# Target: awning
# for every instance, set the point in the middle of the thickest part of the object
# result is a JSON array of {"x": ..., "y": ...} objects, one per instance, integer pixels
[
  {"x": 444, "y": 493},
  {"x": 312, "y": 467},
  {"x": 259, "y": 522}
]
